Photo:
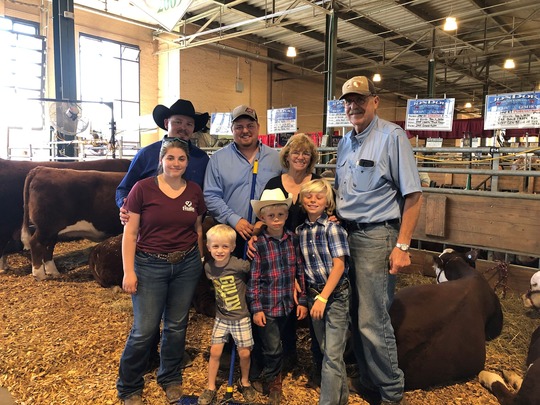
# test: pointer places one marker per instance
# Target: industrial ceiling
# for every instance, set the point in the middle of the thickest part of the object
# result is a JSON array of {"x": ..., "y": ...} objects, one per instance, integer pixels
[{"x": 395, "y": 38}]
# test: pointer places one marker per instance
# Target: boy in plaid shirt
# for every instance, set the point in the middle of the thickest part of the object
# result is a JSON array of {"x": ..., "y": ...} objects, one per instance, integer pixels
[
  {"x": 325, "y": 249},
  {"x": 275, "y": 269}
]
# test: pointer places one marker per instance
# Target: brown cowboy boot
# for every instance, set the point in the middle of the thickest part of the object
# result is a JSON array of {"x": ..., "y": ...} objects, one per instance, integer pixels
[{"x": 274, "y": 388}]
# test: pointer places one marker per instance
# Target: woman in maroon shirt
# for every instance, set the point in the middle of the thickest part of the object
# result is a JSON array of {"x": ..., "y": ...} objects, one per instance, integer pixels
[{"x": 161, "y": 252}]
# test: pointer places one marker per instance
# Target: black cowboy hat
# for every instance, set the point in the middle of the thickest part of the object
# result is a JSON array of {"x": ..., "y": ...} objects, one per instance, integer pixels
[{"x": 181, "y": 107}]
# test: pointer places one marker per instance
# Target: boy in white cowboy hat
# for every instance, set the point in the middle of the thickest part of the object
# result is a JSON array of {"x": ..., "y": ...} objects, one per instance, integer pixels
[{"x": 276, "y": 267}]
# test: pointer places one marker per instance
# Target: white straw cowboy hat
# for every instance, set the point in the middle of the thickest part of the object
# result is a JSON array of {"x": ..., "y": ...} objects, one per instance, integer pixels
[{"x": 270, "y": 197}]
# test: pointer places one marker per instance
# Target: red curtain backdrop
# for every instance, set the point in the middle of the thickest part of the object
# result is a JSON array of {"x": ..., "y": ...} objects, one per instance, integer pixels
[{"x": 473, "y": 127}]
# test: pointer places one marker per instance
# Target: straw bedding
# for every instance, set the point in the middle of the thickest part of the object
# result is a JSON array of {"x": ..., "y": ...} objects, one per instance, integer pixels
[{"x": 60, "y": 341}]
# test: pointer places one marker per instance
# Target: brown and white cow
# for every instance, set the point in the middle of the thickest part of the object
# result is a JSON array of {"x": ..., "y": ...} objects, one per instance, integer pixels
[
  {"x": 441, "y": 329},
  {"x": 12, "y": 175},
  {"x": 70, "y": 203}
]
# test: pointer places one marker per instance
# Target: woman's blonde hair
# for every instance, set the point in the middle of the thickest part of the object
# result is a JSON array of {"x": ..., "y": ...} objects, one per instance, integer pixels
[
  {"x": 299, "y": 143},
  {"x": 320, "y": 186},
  {"x": 221, "y": 231}
]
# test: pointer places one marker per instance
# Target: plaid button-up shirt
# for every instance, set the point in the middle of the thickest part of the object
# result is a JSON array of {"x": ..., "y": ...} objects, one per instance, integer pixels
[
  {"x": 320, "y": 242},
  {"x": 277, "y": 263}
]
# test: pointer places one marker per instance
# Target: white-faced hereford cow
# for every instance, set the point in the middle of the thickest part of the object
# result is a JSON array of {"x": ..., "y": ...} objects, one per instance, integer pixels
[
  {"x": 70, "y": 203},
  {"x": 441, "y": 329},
  {"x": 12, "y": 175}
]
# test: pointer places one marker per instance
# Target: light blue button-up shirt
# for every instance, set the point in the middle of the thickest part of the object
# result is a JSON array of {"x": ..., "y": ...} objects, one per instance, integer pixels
[
  {"x": 228, "y": 180},
  {"x": 374, "y": 171}
]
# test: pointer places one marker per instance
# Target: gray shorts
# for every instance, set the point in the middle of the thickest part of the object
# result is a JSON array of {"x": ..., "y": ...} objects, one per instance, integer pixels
[{"x": 239, "y": 329}]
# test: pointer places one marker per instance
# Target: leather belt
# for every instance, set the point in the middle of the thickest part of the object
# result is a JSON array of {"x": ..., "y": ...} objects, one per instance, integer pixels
[
  {"x": 173, "y": 257},
  {"x": 316, "y": 289},
  {"x": 352, "y": 226}
]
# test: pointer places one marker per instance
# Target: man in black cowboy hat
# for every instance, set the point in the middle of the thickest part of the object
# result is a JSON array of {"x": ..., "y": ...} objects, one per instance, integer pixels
[{"x": 180, "y": 121}]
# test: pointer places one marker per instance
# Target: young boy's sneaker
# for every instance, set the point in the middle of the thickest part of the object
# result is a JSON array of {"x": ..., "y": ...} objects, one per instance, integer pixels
[
  {"x": 207, "y": 397},
  {"x": 249, "y": 393}
]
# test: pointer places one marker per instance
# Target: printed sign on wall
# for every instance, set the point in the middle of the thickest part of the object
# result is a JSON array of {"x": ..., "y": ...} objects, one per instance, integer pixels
[
  {"x": 220, "y": 124},
  {"x": 336, "y": 116},
  {"x": 430, "y": 114},
  {"x": 512, "y": 110},
  {"x": 281, "y": 120}
]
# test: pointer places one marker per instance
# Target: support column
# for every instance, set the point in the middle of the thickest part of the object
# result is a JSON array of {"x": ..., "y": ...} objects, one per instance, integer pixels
[
  {"x": 65, "y": 73},
  {"x": 330, "y": 65},
  {"x": 431, "y": 69}
]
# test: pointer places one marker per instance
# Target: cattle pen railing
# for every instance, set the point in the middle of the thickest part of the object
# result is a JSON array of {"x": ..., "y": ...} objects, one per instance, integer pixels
[{"x": 488, "y": 219}]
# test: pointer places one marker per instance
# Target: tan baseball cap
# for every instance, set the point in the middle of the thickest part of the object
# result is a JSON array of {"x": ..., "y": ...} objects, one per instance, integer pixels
[
  {"x": 244, "y": 111},
  {"x": 358, "y": 85}
]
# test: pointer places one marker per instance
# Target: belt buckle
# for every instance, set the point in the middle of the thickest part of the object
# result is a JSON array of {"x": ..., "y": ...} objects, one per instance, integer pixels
[{"x": 176, "y": 257}]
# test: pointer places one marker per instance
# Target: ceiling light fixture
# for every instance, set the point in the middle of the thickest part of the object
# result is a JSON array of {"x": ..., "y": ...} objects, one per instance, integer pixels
[
  {"x": 291, "y": 51},
  {"x": 468, "y": 104},
  {"x": 450, "y": 24},
  {"x": 509, "y": 63},
  {"x": 376, "y": 77}
]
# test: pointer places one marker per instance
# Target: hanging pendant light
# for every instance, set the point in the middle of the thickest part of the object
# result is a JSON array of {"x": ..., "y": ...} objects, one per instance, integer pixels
[
  {"x": 450, "y": 24},
  {"x": 509, "y": 63},
  {"x": 291, "y": 51}
]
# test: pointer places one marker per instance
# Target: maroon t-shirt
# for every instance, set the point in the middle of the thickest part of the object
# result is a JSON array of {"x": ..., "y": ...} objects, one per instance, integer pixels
[{"x": 167, "y": 224}]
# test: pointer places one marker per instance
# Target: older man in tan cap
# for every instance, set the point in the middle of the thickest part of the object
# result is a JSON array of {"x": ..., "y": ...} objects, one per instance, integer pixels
[{"x": 378, "y": 199}]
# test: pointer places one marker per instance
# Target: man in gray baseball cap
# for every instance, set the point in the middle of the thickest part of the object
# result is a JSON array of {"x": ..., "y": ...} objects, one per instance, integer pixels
[
  {"x": 233, "y": 169},
  {"x": 244, "y": 111},
  {"x": 378, "y": 200}
]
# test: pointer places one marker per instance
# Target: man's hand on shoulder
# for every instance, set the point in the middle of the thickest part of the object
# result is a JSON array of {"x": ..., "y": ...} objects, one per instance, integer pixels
[
  {"x": 244, "y": 228},
  {"x": 124, "y": 214}
]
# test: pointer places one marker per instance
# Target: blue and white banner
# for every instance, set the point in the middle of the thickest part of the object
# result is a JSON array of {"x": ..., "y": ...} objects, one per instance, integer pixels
[
  {"x": 220, "y": 124},
  {"x": 435, "y": 114},
  {"x": 281, "y": 120},
  {"x": 336, "y": 116},
  {"x": 512, "y": 110}
]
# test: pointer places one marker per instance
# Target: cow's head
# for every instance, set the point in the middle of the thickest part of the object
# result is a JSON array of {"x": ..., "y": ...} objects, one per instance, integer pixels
[
  {"x": 452, "y": 265},
  {"x": 531, "y": 299}
]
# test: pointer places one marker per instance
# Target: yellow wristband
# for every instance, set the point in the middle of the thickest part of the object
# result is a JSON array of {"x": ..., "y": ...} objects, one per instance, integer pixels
[{"x": 318, "y": 297}]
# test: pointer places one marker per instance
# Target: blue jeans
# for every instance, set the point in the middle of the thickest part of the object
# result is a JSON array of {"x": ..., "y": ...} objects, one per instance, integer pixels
[
  {"x": 331, "y": 334},
  {"x": 374, "y": 340},
  {"x": 272, "y": 349},
  {"x": 163, "y": 289}
]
